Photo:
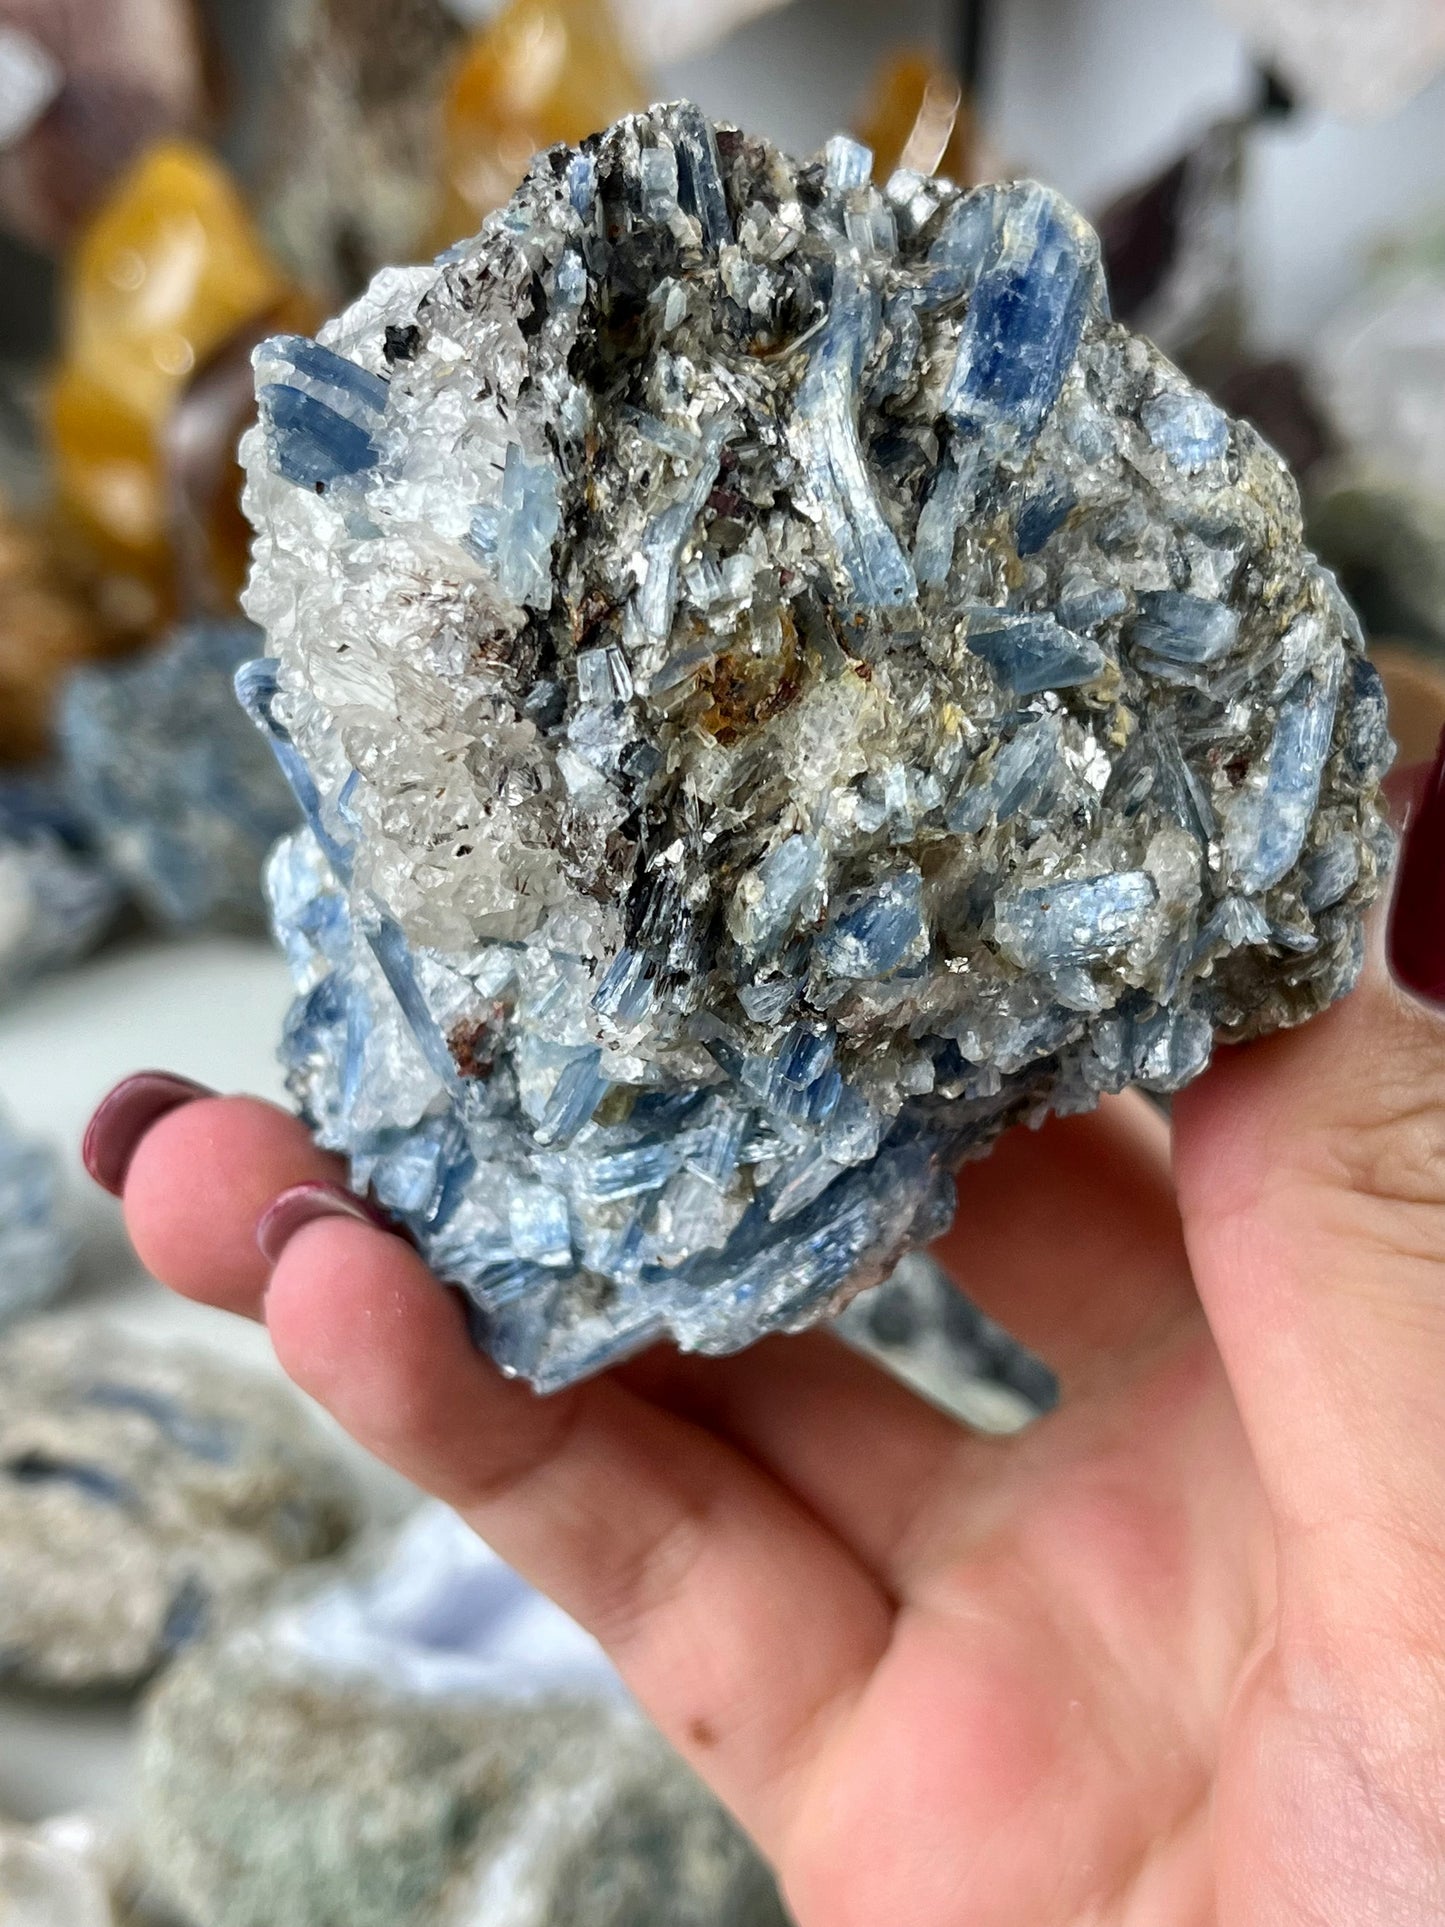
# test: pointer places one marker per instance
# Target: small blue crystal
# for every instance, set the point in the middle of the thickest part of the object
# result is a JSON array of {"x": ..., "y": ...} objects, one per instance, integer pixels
[
  {"x": 1074, "y": 922},
  {"x": 1187, "y": 428},
  {"x": 320, "y": 411},
  {"x": 1184, "y": 628},
  {"x": 514, "y": 534},
  {"x": 1269, "y": 833},
  {"x": 1021, "y": 334},
  {"x": 875, "y": 930},
  {"x": 1033, "y": 653}
]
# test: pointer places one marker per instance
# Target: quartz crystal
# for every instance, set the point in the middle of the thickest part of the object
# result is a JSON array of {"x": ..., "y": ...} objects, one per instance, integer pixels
[
  {"x": 169, "y": 267},
  {"x": 148, "y": 1494},
  {"x": 423, "y": 1741},
  {"x": 57, "y": 900},
  {"x": 922, "y": 1328},
  {"x": 173, "y": 789},
  {"x": 37, "y": 1246},
  {"x": 782, "y": 687},
  {"x": 918, "y": 118}
]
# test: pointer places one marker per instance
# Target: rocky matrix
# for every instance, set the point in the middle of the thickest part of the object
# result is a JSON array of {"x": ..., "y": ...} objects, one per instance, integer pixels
[{"x": 782, "y": 687}]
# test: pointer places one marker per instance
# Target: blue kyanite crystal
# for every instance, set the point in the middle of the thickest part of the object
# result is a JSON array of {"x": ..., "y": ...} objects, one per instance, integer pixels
[
  {"x": 37, "y": 1246},
  {"x": 780, "y": 686},
  {"x": 57, "y": 900},
  {"x": 165, "y": 777}
]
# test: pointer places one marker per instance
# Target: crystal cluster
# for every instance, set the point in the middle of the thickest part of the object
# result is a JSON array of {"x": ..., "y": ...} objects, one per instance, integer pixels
[
  {"x": 173, "y": 789},
  {"x": 423, "y": 1741},
  {"x": 782, "y": 687},
  {"x": 56, "y": 900},
  {"x": 148, "y": 1495}
]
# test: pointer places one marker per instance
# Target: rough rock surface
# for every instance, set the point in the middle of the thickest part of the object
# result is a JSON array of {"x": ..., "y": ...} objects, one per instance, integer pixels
[
  {"x": 146, "y": 1493},
  {"x": 167, "y": 779},
  {"x": 56, "y": 898},
  {"x": 782, "y": 687},
  {"x": 427, "y": 1743}
]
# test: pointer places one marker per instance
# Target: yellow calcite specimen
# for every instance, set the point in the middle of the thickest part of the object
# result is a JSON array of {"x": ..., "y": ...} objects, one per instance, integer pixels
[
  {"x": 918, "y": 117},
  {"x": 542, "y": 71},
  {"x": 51, "y": 619},
  {"x": 169, "y": 269}
]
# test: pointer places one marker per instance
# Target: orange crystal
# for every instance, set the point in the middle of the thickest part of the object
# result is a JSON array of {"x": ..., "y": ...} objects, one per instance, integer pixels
[
  {"x": 543, "y": 71},
  {"x": 50, "y": 621},
  {"x": 169, "y": 269},
  {"x": 917, "y": 117}
]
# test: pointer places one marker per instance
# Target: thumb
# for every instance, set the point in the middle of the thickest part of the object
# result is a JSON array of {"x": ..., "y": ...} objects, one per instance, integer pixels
[{"x": 1311, "y": 1178}]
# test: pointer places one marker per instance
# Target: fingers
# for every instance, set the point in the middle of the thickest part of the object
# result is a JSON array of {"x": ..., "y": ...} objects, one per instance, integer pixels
[
  {"x": 1311, "y": 1172},
  {"x": 741, "y": 1623},
  {"x": 1070, "y": 1238},
  {"x": 196, "y": 1185}
]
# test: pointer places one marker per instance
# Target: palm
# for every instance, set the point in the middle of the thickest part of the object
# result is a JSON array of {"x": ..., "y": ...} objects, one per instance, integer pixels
[{"x": 1100, "y": 1674}]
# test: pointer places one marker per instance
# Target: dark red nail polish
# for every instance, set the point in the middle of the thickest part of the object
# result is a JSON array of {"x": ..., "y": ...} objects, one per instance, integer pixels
[
  {"x": 304, "y": 1204},
  {"x": 1417, "y": 917},
  {"x": 124, "y": 1115}
]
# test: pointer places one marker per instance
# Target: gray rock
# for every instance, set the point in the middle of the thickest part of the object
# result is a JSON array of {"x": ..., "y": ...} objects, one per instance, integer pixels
[
  {"x": 147, "y": 1492},
  {"x": 57, "y": 899},
  {"x": 427, "y": 1743},
  {"x": 167, "y": 781}
]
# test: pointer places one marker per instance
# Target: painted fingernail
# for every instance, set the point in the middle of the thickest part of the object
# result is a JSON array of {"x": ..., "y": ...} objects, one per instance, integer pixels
[
  {"x": 1417, "y": 916},
  {"x": 304, "y": 1204},
  {"x": 124, "y": 1115}
]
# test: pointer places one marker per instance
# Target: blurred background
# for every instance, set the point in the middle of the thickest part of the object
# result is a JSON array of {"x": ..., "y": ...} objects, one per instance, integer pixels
[{"x": 244, "y": 1680}]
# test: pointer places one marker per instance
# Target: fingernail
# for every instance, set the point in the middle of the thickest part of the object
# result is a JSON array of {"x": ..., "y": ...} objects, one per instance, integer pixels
[
  {"x": 124, "y": 1115},
  {"x": 304, "y": 1204},
  {"x": 1417, "y": 916}
]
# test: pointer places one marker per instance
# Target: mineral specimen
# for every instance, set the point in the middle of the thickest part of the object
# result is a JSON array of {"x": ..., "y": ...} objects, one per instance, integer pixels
[
  {"x": 37, "y": 1247},
  {"x": 427, "y": 1744},
  {"x": 919, "y": 1325},
  {"x": 170, "y": 265},
  {"x": 782, "y": 687},
  {"x": 146, "y": 1493},
  {"x": 55, "y": 1875},
  {"x": 56, "y": 899},
  {"x": 172, "y": 786},
  {"x": 45, "y": 629}
]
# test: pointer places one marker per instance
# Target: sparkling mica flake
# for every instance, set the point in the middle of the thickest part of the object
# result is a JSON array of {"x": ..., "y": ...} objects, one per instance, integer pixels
[{"x": 781, "y": 687}]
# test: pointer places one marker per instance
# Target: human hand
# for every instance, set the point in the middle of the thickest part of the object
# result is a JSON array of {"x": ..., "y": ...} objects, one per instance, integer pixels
[{"x": 1173, "y": 1656}]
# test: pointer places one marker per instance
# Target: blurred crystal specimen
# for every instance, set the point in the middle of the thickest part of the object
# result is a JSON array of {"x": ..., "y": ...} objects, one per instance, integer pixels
[
  {"x": 147, "y": 1493},
  {"x": 37, "y": 1246},
  {"x": 84, "y": 87},
  {"x": 1360, "y": 62},
  {"x": 918, "y": 118},
  {"x": 70, "y": 1871},
  {"x": 355, "y": 136},
  {"x": 47, "y": 627},
  {"x": 427, "y": 1743},
  {"x": 782, "y": 687},
  {"x": 173, "y": 788},
  {"x": 540, "y": 71},
  {"x": 57, "y": 900},
  {"x": 169, "y": 268},
  {"x": 925, "y": 1331}
]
